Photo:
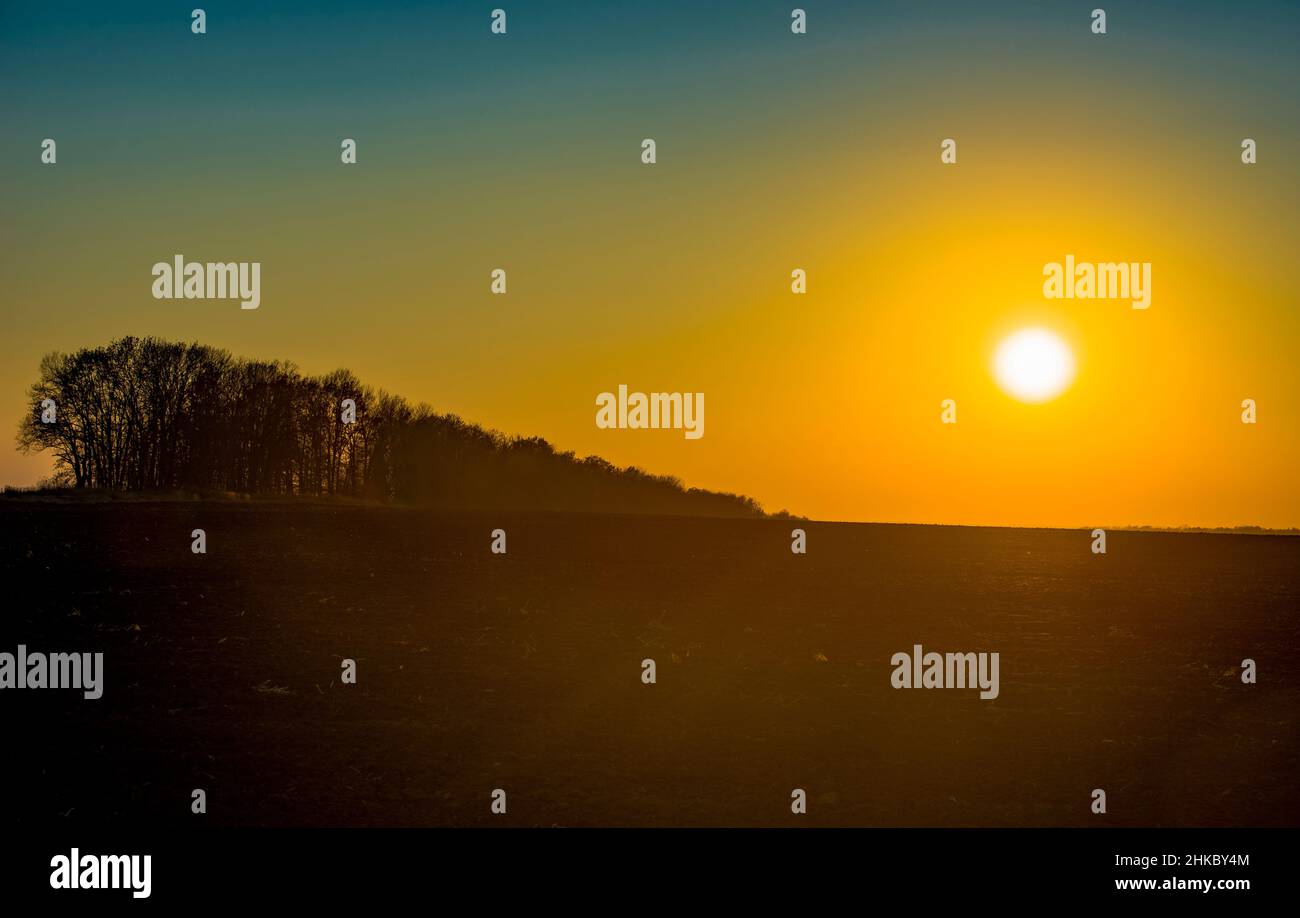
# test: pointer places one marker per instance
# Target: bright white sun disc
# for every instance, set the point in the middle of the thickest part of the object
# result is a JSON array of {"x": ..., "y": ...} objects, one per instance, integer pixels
[{"x": 1033, "y": 365}]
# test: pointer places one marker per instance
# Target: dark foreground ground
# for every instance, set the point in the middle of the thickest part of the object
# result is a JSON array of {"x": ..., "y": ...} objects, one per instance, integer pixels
[{"x": 523, "y": 672}]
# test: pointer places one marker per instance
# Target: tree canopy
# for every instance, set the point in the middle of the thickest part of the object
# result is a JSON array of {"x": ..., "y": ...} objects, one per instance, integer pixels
[{"x": 142, "y": 414}]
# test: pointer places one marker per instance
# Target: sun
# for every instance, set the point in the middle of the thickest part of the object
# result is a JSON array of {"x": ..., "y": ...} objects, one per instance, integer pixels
[{"x": 1033, "y": 365}]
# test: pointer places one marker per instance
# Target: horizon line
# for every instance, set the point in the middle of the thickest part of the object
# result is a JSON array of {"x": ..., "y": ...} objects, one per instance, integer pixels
[{"x": 185, "y": 495}]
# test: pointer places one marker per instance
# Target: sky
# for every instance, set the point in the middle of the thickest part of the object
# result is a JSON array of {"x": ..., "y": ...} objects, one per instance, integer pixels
[{"x": 775, "y": 151}]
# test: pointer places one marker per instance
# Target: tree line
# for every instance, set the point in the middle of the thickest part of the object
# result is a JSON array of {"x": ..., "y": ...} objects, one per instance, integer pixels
[{"x": 143, "y": 414}]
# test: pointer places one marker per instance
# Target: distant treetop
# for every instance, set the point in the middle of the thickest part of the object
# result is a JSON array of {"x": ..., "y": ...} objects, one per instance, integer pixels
[{"x": 141, "y": 414}]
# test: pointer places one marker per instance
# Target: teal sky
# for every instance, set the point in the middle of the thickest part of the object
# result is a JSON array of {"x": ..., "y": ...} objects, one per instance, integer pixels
[{"x": 477, "y": 151}]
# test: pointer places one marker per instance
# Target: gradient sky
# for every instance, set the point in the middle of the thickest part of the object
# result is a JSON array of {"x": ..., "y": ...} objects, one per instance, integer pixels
[{"x": 775, "y": 151}]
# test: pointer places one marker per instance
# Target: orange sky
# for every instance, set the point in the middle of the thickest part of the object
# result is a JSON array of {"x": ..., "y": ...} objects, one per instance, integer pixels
[{"x": 675, "y": 277}]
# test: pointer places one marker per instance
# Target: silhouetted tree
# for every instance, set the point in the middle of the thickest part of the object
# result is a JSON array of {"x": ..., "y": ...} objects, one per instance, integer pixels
[{"x": 147, "y": 414}]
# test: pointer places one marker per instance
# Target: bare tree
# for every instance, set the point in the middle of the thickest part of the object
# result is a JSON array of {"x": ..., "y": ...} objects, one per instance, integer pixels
[{"x": 147, "y": 414}]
